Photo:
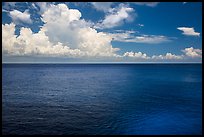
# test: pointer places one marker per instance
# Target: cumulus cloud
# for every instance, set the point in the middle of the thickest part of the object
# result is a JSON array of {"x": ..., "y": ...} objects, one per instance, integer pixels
[
  {"x": 129, "y": 36},
  {"x": 140, "y": 55},
  {"x": 150, "y": 4},
  {"x": 188, "y": 31},
  {"x": 136, "y": 55},
  {"x": 19, "y": 17},
  {"x": 63, "y": 34},
  {"x": 191, "y": 52},
  {"x": 116, "y": 17}
]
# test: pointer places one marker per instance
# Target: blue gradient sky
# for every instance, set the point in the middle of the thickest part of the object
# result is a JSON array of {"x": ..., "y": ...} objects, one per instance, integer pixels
[{"x": 139, "y": 31}]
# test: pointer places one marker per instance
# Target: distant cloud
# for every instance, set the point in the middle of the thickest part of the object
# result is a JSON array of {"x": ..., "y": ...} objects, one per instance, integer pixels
[
  {"x": 184, "y": 2},
  {"x": 188, "y": 31},
  {"x": 129, "y": 36},
  {"x": 140, "y": 55},
  {"x": 19, "y": 17},
  {"x": 191, "y": 52},
  {"x": 168, "y": 56},
  {"x": 141, "y": 25},
  {"x": 136, "y": 55},
  {"x": 116, "y": 17},
  {"x": 102, "y": 6},
  {"x": 150, "y": 4}
]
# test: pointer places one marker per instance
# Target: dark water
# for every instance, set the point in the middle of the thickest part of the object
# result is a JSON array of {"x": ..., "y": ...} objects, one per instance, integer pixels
[{"x": 102, "y": 99}]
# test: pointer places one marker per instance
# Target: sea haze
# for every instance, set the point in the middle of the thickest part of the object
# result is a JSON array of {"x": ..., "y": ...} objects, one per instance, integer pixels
[{"x": 102, "y": 99}]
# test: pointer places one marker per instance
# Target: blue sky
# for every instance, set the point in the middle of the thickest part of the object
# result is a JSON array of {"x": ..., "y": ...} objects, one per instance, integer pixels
[{"x": 102, "y": 32}]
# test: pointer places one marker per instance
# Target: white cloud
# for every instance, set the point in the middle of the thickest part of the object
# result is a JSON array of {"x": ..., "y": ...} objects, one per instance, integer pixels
[
  {"x": 128, "y": 36},
  {"x": 102, "y": 6},
  {"x": 61, "y": 35},
  {"x": 184, "y": 2},
  {"x": 168, "y": 56},
  {"x": 19, "y": 17},
  {"x": 188, "y": 31},
  {"x": 150, "y": 4},
  {"x": 8, "y": 38},
  {"x": 139, "y": 55},
  {"x": 116, "y": 17},
  {"x": 191, "y": 52}
]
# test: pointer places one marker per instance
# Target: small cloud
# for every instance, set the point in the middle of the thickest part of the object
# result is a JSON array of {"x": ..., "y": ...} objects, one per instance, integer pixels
[
  {"x": 128, "y": 36},
  {"x": 19, "y": 17},
  {"x": 136, "y": 55},
  {"x": 141, "y": 25},
  {"x": 188, "y": 31},
  {"x": 191, "y": 52},
  {"x": 150, "y": 4},
  {"x": 168, "y": 56},
  {"x": 184, "y": 2}
]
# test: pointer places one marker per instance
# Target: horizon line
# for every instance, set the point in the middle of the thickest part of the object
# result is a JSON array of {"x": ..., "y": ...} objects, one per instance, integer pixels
[{"x": 101, "y": 62}]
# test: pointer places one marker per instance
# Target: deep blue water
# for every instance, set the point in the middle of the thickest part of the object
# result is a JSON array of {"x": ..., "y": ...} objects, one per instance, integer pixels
[{"x": 102, "y": 99}]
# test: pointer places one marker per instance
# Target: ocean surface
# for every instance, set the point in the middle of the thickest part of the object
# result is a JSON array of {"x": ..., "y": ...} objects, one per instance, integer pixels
[{"x": 123, "y": 99}]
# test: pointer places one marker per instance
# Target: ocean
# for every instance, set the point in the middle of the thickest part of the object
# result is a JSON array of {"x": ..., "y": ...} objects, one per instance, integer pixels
[{"x": 104, "y": 99}]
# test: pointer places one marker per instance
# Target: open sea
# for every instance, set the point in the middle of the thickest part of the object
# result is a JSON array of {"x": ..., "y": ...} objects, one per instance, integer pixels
[{"x": 113, "y": 99}]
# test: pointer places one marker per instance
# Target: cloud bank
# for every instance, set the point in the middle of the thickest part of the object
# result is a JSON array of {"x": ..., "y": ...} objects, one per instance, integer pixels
[{"x": 63, "y": 34}]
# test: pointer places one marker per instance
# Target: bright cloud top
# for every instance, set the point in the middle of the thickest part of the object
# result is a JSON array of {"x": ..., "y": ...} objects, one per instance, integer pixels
[
  {"x": 188, "y": 31},
  {"x": 60, "y": 35}
]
